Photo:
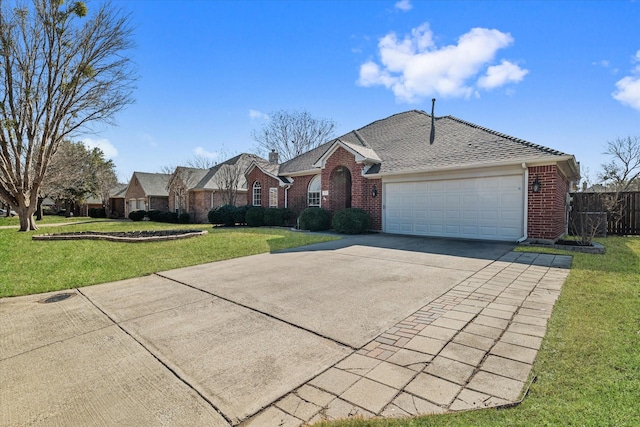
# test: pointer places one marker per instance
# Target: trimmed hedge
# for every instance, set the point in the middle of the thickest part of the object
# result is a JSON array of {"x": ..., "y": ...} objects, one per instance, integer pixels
[
  {"x": 255, "y": 216},
  {"x": 137, "y": 215},
  {"x": 351, "y": 221},
  {"x": 223, "y": 215},
  {"x": 240, "y": 215},
  {"x": 155, "y": 215},
  {"x": 315, "y": 219},
  {"x": 278, "y": 217},
  {"x": 184, "y": 218},
  {"x": 97, "y": 213}
]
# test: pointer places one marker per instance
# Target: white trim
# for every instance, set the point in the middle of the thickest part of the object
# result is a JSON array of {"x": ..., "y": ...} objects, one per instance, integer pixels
[{"x": 359, "y": 158}]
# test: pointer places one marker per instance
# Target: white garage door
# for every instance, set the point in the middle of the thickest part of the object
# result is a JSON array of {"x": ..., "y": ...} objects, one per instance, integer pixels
[{"x": 488, "y": 208}]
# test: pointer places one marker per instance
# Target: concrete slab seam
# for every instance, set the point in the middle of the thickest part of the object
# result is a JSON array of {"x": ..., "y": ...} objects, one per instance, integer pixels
[
  {"x": 165, "y": 365},
  {"x": 271, "y": 316}
]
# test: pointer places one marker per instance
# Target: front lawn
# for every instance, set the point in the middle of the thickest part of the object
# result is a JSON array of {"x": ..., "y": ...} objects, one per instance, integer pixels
[
  {"x": 588, "y": 368},
  {"x": 28, "y": 267}
]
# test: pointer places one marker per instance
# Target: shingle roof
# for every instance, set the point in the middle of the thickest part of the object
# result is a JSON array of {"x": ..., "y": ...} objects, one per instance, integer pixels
[
  {"x": 305, "y": 161},
  {"x": 207, "y": 177},
  {"x": 153, "y": 184},
  {"x": 401, "y": 142}
]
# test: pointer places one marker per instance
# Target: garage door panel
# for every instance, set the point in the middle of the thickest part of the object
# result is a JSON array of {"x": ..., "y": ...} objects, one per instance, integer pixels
[{"x": 481, "y": 208}]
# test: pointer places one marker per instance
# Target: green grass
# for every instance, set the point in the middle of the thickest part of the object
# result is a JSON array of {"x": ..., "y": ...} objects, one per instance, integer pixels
[
  {"x": 588, "y": 368},
  {"x": 28, "y": 266}
]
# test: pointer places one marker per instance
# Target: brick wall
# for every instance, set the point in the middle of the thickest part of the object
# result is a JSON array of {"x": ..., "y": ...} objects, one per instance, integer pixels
[
  {"x": 297, "y": 194},
  {"x": 547, "y": 208},
  {"x": 361, "y": 187},
  {"x": 266, "y": 182}
]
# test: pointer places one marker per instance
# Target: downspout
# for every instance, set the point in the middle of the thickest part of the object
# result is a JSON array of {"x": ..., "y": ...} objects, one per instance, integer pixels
[
  {"x": 286, "y": 195},
  {"x": 526, "y": 202}
]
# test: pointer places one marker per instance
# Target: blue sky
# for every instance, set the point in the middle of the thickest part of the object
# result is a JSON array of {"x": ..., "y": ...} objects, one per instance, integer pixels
[{"x": 561, "y": 74}]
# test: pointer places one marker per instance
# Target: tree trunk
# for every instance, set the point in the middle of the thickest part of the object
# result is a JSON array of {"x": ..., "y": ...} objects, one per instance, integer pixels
[
  {"x": 27, "y": 222},
  {"x": 39, "y": 209}
]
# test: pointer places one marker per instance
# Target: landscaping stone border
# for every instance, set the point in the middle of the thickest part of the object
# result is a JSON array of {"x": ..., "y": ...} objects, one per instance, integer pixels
[{"x": 127, "y": 237}]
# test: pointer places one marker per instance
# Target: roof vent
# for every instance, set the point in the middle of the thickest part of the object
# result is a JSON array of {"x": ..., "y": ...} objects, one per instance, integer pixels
[{"x": 432, "y": 135}]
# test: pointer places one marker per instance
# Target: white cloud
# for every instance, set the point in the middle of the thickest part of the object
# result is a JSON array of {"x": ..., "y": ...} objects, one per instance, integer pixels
[
  {"x": 415, "y": 68},
  {"x": 255, "y": 114},
  {"x": 628, "y": 91},
  {"x": 201, "y": 152},
  {"x": 107, "y": 148},
  {"x": 404, "y": 5},
  {"x": 628, "y": 88},
  {"x": 500, "y": 75}
]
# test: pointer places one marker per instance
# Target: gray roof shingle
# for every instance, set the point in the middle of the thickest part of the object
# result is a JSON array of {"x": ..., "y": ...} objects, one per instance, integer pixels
[
  {"x": 153, "y": 184},
  {"x": 401, "y": 142}
]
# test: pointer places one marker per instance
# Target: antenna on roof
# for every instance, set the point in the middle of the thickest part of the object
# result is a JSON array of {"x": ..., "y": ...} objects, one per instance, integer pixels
[{"x": 432, "y": 136}]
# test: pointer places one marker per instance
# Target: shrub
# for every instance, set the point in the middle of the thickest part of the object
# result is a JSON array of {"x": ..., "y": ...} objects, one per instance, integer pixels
[
  {"x": 184, "y": 218},
  {"x": 255, "y": 216},
  {"x": 155, "y": 215},
  {"x": 351, "y": 221},
  {"x": 171, "y": 217},
  {"x": 240, "y": 216},
  {"x": 137, "y": 215},
  {"x": 315, "y": 219},
  {"x": 224, "y": 215},
  {"x": 97, "y": 213},
  {"x": 277, "y": 217}
]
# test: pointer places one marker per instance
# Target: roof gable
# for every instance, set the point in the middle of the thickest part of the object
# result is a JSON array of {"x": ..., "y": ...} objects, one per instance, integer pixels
[{"x": 153, "y": 184}]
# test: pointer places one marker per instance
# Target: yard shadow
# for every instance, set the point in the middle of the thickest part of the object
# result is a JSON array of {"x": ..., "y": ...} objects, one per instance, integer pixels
[{"x": 485, "y": 250}]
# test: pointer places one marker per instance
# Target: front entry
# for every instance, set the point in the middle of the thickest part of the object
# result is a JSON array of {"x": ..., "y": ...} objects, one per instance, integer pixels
[{"x": 340, "y": 189}]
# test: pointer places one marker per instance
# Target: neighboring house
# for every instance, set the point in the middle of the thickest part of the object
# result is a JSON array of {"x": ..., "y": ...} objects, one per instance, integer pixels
[
  {"x": 196, "y": 191},
  {"x": 147, "y": 191},
  {"x": 116, "y": 204},
  {"x": 117, "y": 201},
  {"x": 472, "y": 182}
]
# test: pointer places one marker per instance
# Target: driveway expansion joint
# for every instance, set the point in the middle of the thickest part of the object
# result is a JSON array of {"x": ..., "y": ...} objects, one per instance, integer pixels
[
  {"x": 271, "y": 316},
  {"x": 159, "y": 360}
]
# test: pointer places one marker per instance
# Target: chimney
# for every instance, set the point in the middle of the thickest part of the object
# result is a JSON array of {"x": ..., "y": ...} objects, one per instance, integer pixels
[{"x": 273, "y": 157}]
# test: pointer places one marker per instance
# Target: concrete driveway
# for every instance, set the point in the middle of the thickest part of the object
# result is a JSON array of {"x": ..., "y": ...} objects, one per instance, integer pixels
[{"x": 279, "y": 338}]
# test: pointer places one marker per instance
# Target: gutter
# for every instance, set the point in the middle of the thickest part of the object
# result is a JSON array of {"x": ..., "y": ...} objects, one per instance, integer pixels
[{"x": 530, "y": 162}]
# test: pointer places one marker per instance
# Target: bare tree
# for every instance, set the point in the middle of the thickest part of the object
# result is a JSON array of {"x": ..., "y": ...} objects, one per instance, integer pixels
[
  {"x": 201, "y": 162},
  {"x": 291, "y": 133},
  {"x": 181, "y": 179},
  {"x": 60, "y": 72},
  {"x": 624, "y": 168},
  {"x": 620, "y": 175},
  {"x": 227, "y": 179}
]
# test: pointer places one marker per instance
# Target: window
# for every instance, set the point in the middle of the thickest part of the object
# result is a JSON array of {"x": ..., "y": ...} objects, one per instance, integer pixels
[
  {"x": 313, "y": 193},
  {"x": 273, "y": 197},
  {"x": 141, "y": 204},
  {"x": 257, "y": 194}
]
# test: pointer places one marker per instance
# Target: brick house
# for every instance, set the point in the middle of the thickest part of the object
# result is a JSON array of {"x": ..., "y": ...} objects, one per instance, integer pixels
[
  {"x": 147, "y": 191},
  {"x": 196, "y": 191},
  {"x": 471, "y": 182}
]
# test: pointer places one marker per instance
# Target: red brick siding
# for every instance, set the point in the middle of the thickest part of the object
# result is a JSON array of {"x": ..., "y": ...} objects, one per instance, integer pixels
[
  {"x": 547, "y": 208},
  {"x": 297, "y": 194},
  {"x": 266, "y": 182},
  {"x": 361, "y": 187}
]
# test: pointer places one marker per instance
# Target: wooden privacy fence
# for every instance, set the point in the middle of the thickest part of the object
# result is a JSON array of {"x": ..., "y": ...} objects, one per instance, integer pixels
[{"x": 624, "y": 219}]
